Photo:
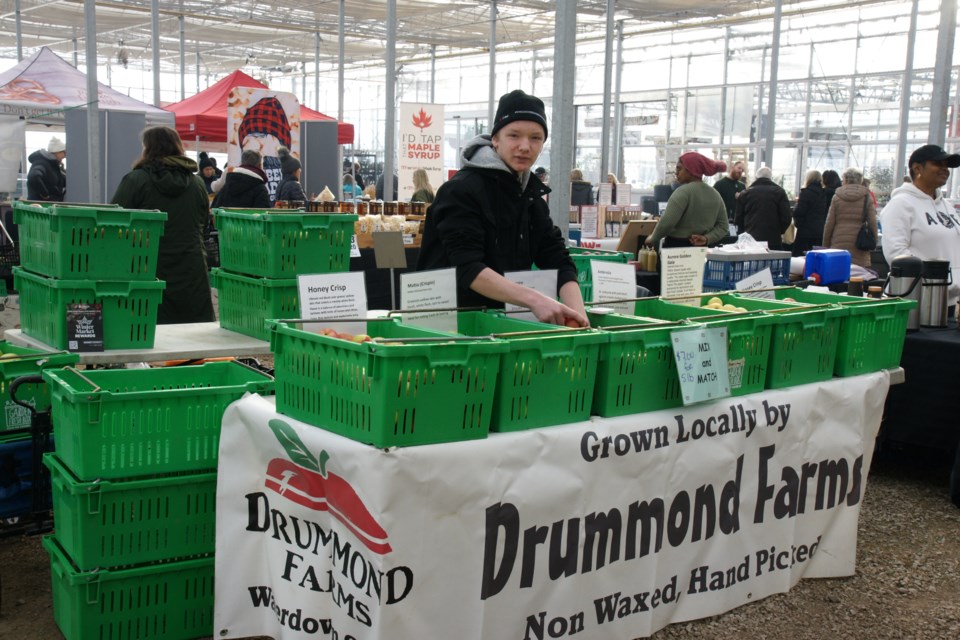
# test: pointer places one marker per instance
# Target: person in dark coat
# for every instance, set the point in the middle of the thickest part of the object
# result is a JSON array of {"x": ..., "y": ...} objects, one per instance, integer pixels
[
  {"x": 763, "y": 210},
  {"x": 164, "y": 178},
  {"x": 810, "y": 214},
  {"x": 289, "y": 188},
  {"x": 490, "y": 218},
  {"x": 245, "y": 187},
  {"x": 581, "y": 191},
  {"x": 396, "y": 187},
  {"x": 46, "y": 179},
  {"x": 208, "y": 170}
]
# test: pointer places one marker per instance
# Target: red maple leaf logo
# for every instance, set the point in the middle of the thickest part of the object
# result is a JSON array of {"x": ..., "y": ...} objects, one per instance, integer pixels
[{"x": 422, "y": 120}]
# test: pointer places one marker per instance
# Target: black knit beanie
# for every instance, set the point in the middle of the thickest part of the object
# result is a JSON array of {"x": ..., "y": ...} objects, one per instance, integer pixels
[
  {"x": 288, "y": 164},
  {"x": 517, "y": 105}
]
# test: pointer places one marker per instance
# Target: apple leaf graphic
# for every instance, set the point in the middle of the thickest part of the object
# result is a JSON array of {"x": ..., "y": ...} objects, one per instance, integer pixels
[{"x": 295, "y": 448}]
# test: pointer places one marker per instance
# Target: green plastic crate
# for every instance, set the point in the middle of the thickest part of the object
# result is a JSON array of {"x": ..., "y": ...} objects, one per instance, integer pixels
[
  {"x": 748, "y": 338},
  {"x": 113, "y": 523},
  {"x": 804, "y": 339},
  {"x": 26, "y": 362},
  {"x": 89, "y": 242},
  {"x": 432, "y": 388},
  {"x": 871, "y": 334},
  {"x": 267, "y": 244},
  {"x": 245, "y": 303},
  {"x": 162, "y": 601},
  {"x": 117, "y": 423},
  {"x": 129, "y": 308},
  {"x": 637, "y": 371},
  {"x": 547, "y": 374}
]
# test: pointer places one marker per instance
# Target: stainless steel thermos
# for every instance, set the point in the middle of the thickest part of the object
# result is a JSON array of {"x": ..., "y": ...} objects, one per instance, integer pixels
[
  {"x": 905, "y": 281},
  {"x": 936, "y": 277}
]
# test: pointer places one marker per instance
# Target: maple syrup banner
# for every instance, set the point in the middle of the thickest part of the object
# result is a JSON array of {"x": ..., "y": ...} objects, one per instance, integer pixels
[
  {"x": 610, "y": 528},
  {"x": 421, "y": 146}
]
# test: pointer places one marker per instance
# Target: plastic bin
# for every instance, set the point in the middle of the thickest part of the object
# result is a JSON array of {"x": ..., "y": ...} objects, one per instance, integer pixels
[
  {"x": 17, "y": 484},
  {"x": 26, "y": 362},
  {"x": 117, "y": 423},
  {"x": 89, "y": 242},
  {"x": 267, "y": 244},
  {"x": 547, "y": 374},
  {"x": 112, "y": 523},
  {"x": 871, "y": 333},
  {"x": 413, "y": 386},
  {"x": 725, "y": 270},
  {"x": 583, "y": 257},
  {"x": 826, "y": 266},
  {"x": 748, "y": 338},
  {"x": 637, "y": 371},
  {"x": 245, "y": 303},
  {"x": 162, "y": 601},
  {"x": 804, "y": 339},
  {"x": 129, "y": 308}
]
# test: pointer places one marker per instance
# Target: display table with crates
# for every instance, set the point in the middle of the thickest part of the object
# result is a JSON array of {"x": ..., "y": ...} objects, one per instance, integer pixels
[{"x": 549, "y": 528}]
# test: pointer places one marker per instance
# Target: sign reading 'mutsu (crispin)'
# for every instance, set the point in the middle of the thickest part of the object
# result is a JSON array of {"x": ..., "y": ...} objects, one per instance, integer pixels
[{"x": 611, "y": 528}]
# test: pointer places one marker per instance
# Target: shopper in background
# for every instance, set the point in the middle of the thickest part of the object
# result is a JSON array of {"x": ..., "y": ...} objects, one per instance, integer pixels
[
  {"x": 46, "y": 179},
  {"x": 245, "y": 186},
  {"x": 351, "y": 191},
  {"x": 289, "y": 189},
  {"x": 918, "y": 221},
  {"x": 422, "y": 189},
  {"x": 208, "y": 170},
  {"x": 845, "y": 215},
  {"x": 396, "y": 187},
  {"x": 763, "y": 210},
  {"x": 490, "y": 218},
  {"x": 612, "y": 180},
  {"x": 542, "y": 175},
  {"x": 695, "y": 215},
  {"x": 810, "y": 214},
  {"x": 581, "y": 191},
  {"x": 164, "y": 178},
  {"x": 730, "y": 187},
  {"x": 831, "y": 182}
]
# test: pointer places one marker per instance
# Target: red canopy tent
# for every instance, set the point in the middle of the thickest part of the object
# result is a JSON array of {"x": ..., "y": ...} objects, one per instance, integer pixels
[{"x": 204, "y": 115}]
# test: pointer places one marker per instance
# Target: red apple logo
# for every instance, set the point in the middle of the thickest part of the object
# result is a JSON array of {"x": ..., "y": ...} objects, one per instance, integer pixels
[{"x": 304, "y": 480}]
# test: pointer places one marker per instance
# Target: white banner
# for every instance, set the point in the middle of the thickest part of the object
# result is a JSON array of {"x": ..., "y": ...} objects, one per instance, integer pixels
[
  {"x": 421, "y": 146},
  {"x": 611, "y": 528},
  {"x": 12, "y": 143}
]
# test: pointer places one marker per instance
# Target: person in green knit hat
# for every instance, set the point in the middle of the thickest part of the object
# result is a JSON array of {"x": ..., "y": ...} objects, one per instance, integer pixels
[{"x": 695, "y": 215}]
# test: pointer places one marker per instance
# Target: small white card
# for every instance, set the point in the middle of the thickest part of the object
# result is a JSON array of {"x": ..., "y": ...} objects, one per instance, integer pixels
[
  {"x": 701, "y": 356},
  {"x": 624, "y": 193},
  {"x": 681, "y": 273},
  {"x": 430, "y": 290},
  {"x": 589, "y": 221},
  {"x": 605, "y": 193},
  {"x": 760, "y": 280},
  {"x": 333, "y": 295},
  {"x": 354, "y": 247},
  {"x": 543, "y": 281},
  {"x": 614, "y": 281}
]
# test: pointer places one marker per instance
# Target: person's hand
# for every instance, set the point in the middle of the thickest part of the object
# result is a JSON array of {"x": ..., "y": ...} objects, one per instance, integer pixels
[
  {"x": 551, "y": 311},
  {"x": 698, "y": 240},
  {"x": 648, "y": 241}
]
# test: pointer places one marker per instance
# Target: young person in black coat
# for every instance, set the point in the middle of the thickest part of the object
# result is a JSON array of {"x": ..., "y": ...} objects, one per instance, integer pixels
[
  {"x": 245, "y": 187},
  {"x": 490, "y": 218}
]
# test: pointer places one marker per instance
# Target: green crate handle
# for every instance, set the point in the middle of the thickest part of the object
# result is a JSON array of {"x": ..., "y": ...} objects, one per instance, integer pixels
[{"x": 432, "y": 309}]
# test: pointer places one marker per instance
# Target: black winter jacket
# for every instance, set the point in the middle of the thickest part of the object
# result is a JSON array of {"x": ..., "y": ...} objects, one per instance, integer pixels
[
  {"x": 581, "y": 192},
  {"x": 809, "y": 217},
  {"x": 763, "y": 211},
  {"x": 244, "y": 188},
  {"x": 483, "y": 218},
  {"x": 290, "y": 189},
  {"x": 46, "y": 180}
]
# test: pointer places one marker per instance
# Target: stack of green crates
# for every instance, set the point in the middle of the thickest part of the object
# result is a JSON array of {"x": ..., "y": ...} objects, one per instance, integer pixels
[
  {"x": 91, "y": 254},
  {"x": 261, "y": 254},
  {"x": 134, "y": 486}
]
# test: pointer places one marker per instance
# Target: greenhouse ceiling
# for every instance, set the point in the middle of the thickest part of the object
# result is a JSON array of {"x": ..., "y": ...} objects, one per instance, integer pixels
[{"x": 281, "y": 35}]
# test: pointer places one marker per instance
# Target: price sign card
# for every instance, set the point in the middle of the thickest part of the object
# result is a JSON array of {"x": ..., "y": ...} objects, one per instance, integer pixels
[
  {"x": 605, "y": 193},
  {"x": 84, "y": 327},
  {"x": 624, "y": 193},
  {"x": 681, "y": 273},
  {"x": 701, "y": 356},
  {"x": 589, "y": 221},
  {"x": 614, "y": 281},
  {"x": 354, "y": 247},
  {"x": 760, "y": 280},
  {"x": 543, "y": 281},
  {"x": 430, "y": 290},
  {"x": 333, "y": 295}
]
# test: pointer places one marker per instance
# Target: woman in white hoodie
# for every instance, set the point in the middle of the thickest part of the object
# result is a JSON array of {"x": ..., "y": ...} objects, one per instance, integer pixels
[{"x": 918, "y": 221}]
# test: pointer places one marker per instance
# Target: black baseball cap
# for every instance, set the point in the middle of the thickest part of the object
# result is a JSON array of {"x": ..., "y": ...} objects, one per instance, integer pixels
[{"x": 929, "y": 152}]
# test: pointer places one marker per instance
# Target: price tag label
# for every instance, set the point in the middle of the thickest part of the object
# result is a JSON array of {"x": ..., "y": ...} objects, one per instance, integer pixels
[{"x": 701, "y": 357}]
